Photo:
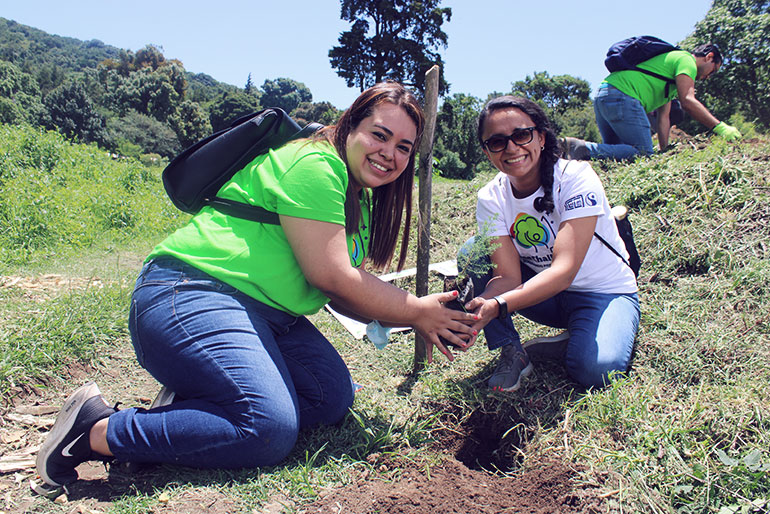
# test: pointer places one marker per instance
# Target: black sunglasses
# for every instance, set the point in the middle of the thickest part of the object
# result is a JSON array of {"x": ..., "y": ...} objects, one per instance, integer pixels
[{"x": 519, "y": 137}]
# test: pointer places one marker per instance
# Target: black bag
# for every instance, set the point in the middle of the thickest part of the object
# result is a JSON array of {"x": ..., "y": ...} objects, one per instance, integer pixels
[
  {"x": 193, "y": 178},
  {"x": 629, "y": 53},
  {"x": 627, "y": 235}
]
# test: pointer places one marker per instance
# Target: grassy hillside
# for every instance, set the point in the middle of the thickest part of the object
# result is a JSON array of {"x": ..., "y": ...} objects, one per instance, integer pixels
[
  {"x": 58, "y": 197},
  {"x": 687, "y": 431}
]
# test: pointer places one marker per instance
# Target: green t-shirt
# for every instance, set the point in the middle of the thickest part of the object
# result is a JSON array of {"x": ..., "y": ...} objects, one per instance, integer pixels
[
  {"x": 649, "y": 90},
  {"x": 304, "y": 180}
]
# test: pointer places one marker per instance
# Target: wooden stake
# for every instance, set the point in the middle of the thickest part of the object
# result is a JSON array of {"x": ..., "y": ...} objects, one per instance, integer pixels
[{"x": 425, "y": 174}]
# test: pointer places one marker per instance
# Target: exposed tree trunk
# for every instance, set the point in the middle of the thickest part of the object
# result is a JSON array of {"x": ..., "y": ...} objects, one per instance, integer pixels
[{"x": 425, "y": 174}]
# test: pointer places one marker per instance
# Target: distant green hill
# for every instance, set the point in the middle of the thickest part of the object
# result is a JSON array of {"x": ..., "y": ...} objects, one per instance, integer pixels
[{"x": 31, "y": 49}]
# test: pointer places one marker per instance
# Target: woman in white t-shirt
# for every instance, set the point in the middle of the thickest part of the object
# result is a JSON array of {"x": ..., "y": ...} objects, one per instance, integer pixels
[{"x": 544, "y": 213}]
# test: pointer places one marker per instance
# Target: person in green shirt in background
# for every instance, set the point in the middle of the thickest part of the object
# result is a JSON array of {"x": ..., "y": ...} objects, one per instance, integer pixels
[
  {"x": 218, "y": 311},
  {"x": 625, "y": 97}
]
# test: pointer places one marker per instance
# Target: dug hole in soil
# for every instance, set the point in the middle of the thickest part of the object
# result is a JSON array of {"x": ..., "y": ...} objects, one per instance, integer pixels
[
  {"x": 481, "y": 473},
  {"x": 469, "y": 480}
]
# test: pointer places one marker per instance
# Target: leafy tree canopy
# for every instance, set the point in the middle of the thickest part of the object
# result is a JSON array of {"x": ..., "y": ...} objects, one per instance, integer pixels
[
  {"x": 154, "y": 92},
  {"x": 457, "y": 148},
  {"x": 72, "y": 112},
  {"x": 249, "y": 87},
  {"x": 31, "y": 48},
  {"x": 395, "y": 39},
  {"x": 87, "y": 82},
  {"x": 145, "y": 132},
  {"x": 19, "y": 96},
  {"x": 559, "y": 92},
  {"x": 320, "y": 112},
  {"x": 190, "y": 122},
  {"x": 150, "y": 57},
  {"x": 229, "y": 108},
  {"x": 741, "y": 29},
  {"x": 284, "y": 93},
  {"x": 204, "y": 89},
  {"x": 566, "y": 100}
]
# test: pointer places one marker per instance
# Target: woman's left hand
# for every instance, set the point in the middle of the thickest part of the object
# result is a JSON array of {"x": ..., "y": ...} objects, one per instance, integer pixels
[{"x": 485, "y": 308}]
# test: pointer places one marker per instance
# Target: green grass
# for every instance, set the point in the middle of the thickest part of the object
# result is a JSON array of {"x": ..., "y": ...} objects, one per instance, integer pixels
[{"x": 688, "y": 430}]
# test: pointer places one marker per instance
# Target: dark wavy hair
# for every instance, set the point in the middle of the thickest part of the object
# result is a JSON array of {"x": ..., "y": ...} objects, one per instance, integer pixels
[
  {"x": 704, "y": 50},
  {"x": 388, "y": 202},
  {"x": 550, "y": 153}
]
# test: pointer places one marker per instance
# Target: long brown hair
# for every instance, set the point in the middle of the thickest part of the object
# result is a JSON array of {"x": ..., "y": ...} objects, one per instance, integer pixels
[{"x": 391, "y": 200}]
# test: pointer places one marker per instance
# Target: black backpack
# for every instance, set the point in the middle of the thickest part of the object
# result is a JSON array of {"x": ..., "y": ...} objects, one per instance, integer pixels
[
  {"x": 193, "y": 178},
  {"x": 629, "y": 53}
]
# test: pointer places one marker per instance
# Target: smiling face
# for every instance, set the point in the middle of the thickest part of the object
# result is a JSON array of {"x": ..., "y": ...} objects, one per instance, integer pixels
[
  {"x": 520, "y": 163},
  {"x": 379, "y": 148}
]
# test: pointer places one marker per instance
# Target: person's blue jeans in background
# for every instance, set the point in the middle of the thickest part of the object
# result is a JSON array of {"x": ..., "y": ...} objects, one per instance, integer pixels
[
  {"x": 623, "y": 124},
  {"x": 602, "y": 327},
  {"x": 249, "y": 376}
]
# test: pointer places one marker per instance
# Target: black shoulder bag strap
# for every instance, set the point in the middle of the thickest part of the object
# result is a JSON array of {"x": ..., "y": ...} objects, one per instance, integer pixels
[
  {"x": 612, "y": 249},
  {"x": 669, "y": 82},
  {"x": 244, "y": 210},
  {"x": 600, "y": 238}
]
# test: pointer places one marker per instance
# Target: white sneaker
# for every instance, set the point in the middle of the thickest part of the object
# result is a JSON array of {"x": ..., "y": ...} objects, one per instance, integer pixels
[{"x": 547, "y": 348}]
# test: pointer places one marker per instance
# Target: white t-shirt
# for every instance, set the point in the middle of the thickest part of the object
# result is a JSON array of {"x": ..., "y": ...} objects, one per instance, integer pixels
[{"x": 577, "y": 193}]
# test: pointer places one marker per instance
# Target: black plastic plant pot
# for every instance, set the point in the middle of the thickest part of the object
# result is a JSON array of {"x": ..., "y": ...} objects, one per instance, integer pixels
[{"x": 464, "y": 288}]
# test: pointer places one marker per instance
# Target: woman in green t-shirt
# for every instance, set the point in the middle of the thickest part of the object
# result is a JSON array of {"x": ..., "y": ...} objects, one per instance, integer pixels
[{"x": 217, "y": 315}]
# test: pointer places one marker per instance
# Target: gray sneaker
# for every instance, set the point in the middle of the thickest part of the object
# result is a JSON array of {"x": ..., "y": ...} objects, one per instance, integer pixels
[
  {"x": 511, "y": 368},
  {"x": 547, "y": 348},
  {"x": 574, "y": 148}
]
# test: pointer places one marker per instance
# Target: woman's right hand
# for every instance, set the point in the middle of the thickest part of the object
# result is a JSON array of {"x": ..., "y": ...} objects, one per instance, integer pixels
[{"x": 433, "y": 319}]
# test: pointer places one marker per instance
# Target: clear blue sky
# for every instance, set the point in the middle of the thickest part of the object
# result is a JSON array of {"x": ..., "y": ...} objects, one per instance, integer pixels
[{"x": 491, "y": 42}]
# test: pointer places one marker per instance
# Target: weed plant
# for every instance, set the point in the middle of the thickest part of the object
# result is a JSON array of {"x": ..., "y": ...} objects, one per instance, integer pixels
[{"x": 687, "y": 430}]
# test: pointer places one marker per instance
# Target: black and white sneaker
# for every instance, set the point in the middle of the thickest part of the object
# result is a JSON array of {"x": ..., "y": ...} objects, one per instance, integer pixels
[{"x": 68, "y": 445}]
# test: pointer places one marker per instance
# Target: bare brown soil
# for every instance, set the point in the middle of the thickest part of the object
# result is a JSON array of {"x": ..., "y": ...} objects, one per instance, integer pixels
[{"x": 454, "y": 488}]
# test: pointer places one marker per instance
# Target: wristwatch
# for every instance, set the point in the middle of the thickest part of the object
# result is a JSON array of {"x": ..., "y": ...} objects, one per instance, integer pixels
[{"x": 503, "y": 312}]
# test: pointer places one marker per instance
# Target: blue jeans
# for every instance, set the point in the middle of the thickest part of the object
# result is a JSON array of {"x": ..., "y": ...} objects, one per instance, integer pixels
[
  {"x": 247, "y": 376},
  {"x": 624, "y": 126},
  {"x": 602, "y": 327}
]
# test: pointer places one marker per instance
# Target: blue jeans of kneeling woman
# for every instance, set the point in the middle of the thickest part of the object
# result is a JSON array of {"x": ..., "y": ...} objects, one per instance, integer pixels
[
  {"x": 602, "y": 327},
  {"x": 249, "y": 376}
]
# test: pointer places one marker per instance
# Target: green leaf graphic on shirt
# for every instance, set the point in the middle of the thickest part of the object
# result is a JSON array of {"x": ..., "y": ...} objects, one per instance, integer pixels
[
  {"x": 356, "y": 250},
  {"x": 529, "y": 232}
]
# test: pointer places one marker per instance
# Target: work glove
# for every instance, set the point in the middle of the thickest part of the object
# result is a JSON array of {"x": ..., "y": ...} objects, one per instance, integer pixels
[{"x": 726, "y": 131}]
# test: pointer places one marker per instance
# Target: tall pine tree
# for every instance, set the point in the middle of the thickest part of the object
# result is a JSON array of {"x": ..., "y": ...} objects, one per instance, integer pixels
[{"x": 394, "y": 39}]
